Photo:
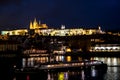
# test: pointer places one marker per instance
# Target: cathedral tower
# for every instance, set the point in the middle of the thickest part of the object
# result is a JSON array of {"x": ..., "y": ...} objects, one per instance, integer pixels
[{"x": 37, "y": 25}]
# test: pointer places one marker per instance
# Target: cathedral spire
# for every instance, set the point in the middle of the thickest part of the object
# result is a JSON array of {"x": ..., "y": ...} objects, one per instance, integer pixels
[
  {"x": 35, "y": 20},
  {"x": 35, "y": 24},
  {"x": 39, "y": 22},
  {"x": 31, "y": 25}
]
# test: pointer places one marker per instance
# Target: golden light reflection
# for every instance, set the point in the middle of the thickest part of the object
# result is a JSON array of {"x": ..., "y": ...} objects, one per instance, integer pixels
[
  {"x": 68, "y": 58},
  {"x": 61, "y": 76}
]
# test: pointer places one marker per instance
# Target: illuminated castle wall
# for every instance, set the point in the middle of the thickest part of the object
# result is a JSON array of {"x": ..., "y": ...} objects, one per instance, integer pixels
[
  {"x": 15, "y": 32},
  {"x": 70, "y": 32},
  {"x": 42, "y": 29}
]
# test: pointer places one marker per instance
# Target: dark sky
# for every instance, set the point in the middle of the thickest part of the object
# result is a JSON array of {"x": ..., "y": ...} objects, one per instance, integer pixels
[{"x": 16, "y": 14}]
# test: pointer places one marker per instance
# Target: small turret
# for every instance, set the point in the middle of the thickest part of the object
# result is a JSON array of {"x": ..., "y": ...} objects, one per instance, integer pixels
[
  {"x": 99, "y": 28},
  {"x": 62, "y": 26},
  {"x": 39, "y": 22}
]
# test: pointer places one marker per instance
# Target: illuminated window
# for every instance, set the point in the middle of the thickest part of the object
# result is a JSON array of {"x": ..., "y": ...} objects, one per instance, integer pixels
[
  {"x": 68, "y": 58},
  {"x": 68, "y": 50}
]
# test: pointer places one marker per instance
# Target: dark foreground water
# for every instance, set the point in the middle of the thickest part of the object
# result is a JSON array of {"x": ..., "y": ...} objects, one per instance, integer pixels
[{"x": 113, "y": 73}]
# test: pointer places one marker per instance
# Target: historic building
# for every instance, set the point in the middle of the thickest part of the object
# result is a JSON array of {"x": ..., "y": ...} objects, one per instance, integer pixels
[
  {"x": 37, "y": 25},
  {"x": 15, "y": 32},
  {"x": 42, "y": 29},
  {"x": 34, "y": 26}
]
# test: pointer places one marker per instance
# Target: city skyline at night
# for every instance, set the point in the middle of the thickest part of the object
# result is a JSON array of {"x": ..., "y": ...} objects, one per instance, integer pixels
[
  {"x": 60, "y": 39},
  {"x": 73, "y": 14}
]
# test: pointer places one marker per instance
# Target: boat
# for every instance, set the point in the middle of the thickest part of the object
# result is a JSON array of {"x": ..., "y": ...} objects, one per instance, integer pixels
[
  {"x": 67, "y": 66},
  {"x": 74, "y": 65}
]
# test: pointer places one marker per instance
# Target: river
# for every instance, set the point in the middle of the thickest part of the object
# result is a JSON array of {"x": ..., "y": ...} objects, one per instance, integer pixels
[{"x": 113, "y": 73}]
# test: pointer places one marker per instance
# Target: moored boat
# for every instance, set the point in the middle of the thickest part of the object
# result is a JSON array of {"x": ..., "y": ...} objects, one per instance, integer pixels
[
  {"x": 74, "y": 65},
  {"x": 66, "y": 66}
]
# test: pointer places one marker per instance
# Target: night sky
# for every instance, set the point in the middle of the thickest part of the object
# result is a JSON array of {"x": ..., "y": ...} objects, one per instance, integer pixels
[{"x": 16, "y": 14}]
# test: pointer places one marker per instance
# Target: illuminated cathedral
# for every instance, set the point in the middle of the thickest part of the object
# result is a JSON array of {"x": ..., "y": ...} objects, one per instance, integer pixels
[{"x": 37, "y": 25}]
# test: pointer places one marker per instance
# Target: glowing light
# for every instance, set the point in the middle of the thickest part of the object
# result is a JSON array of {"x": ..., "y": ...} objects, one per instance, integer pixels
[
  {"x": 115, "y": 48},
  {"x": 23, "y": 62},
  {"x": 114, "y": 61},
  {"x": 34, "y": 51},
  {"x": 68, "y": 50},
  {"x": 83, "y": 75},
  {"x": 49, "y": 78},
  {"x": 93, "y": 73},
  {"x": 61, "y": 76},
  {"x": 66, "y": 75},
  {"x": 68, "y": 58},
  {"x": 108, "y": 61}
]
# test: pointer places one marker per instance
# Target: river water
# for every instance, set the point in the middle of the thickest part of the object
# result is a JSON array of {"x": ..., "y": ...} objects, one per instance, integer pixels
[{"x": 113, "y": 73}]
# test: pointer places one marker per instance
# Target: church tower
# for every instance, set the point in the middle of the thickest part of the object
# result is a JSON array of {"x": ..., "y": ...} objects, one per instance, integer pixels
[
  {"x": 31, "y": 25},
  {"x": 35, "y": 27},
  {"x": 35, "y": 24}
]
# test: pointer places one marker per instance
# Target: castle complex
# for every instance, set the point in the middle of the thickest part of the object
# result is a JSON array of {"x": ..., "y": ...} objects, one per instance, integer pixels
[{"x": 42, "y": 29}]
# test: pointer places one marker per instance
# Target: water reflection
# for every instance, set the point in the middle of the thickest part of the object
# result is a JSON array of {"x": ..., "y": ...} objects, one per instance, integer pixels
[
  {"x": 93, "y": 72},
  {"x": 113, "y": 72},
  {"x": 110, "y": 61},
  {"x": 82, "y": 75},
  {"x": 78, "y": 75}
]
